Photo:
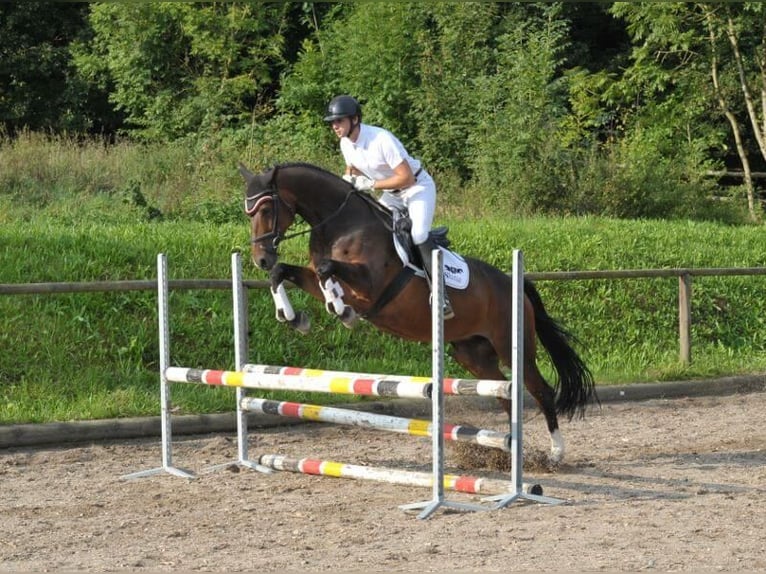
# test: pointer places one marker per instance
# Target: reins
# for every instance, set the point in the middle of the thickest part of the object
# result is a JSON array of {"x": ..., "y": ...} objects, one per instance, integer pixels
[
  {"x": 274, "y": 193},
  {"x": 333, "y": 215}
]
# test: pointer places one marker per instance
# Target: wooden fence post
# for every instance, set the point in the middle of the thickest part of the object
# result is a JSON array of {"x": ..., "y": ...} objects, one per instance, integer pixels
[{"x": 685, "y": 317}]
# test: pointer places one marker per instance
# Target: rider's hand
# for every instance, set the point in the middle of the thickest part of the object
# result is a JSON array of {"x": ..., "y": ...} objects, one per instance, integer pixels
[{"x": 363, "y": 183}]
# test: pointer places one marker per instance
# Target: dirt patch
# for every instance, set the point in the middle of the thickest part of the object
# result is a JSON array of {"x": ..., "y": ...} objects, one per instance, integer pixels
[{"x": 676, "y": 484}]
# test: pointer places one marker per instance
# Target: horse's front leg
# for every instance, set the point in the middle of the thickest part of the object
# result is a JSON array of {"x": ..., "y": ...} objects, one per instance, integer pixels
[
  {"x": 328, "y": 271},
  {"x": 303, "y": 278}
]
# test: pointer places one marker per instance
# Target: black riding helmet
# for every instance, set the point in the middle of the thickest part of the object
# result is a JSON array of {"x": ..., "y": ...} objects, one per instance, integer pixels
[{"x": 343, "y": 107}]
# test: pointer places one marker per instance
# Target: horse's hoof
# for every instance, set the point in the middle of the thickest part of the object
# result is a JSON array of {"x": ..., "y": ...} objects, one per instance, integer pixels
[
  {"x": 553, "y": 466},
  {"x": 282, "y": 318},
  {"x": 349, "y": 317},
  {"x": 301, "y": 323}
]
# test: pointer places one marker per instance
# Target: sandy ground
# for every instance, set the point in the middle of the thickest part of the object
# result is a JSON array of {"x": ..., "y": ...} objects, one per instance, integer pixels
[{"x": 667, "y": 485}]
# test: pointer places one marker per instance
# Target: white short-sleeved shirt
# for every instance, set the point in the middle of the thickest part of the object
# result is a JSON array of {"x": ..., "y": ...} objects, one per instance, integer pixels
[{"x": 376, "y": 152}]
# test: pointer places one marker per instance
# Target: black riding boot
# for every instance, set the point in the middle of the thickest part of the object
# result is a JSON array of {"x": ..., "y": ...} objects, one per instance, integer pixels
[{"x": 425, "y": 256}]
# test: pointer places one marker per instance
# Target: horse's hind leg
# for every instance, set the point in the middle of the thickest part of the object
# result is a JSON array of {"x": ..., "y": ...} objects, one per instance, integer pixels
[
  {"x": 478, "y": 355},
  {"x": 545, "y": 397}
]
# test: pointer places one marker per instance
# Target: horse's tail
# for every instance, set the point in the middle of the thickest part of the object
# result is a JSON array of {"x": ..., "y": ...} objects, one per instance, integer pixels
[{"x": 575, "y": 386}]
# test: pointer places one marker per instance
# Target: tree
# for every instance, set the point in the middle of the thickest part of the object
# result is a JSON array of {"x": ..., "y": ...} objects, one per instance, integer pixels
[
  {"x": 428, "y": 71},
  {"x": 38, "y": 89},
  {"x": 515, "y": 145},
  {"x": 181, "y": 68},
  {"x": 456, "y": 47},
  {"x": 703, "y": 58},
  {"x": 366, "y": 50}
]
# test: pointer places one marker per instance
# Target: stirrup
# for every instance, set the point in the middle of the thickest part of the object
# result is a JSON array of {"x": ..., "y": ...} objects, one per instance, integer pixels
[{"x": 449, "y": 313}]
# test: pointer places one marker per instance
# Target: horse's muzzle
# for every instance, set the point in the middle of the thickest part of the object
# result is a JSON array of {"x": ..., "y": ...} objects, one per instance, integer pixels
[{"x": 264, "y": 259}]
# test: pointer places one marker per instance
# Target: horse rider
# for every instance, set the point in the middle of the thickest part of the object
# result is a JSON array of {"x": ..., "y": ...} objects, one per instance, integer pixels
[{"x": 377, "y": 160}]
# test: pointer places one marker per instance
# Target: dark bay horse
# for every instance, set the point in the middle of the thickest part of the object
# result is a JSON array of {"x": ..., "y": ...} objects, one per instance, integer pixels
[{"x": 355, "y": 269}]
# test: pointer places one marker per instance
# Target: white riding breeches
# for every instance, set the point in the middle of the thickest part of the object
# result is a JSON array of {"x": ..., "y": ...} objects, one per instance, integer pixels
[{"x": 420, "y": 202}]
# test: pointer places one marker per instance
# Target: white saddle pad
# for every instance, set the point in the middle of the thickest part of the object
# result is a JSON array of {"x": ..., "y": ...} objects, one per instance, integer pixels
[{"x": 456, "y": 273}]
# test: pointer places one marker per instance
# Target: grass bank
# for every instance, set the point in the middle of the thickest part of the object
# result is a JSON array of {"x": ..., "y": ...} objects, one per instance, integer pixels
[{"x": 87, "y": 356}]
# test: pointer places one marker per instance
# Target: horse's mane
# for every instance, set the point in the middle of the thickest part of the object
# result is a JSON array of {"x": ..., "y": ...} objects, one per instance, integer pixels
[
  {"x": 367, "y": 198},
  {"x": 310, "y": 166}
]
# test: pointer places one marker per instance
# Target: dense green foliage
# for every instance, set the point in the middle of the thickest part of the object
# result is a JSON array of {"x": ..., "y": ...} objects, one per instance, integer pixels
[
  {"x": 180, "y": 67},
  {"x": 620, "y": 109},
  {"x": 39, "y": 88}
]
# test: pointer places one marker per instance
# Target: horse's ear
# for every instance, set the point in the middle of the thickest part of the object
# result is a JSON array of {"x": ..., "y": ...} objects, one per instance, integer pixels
[{"x": 246, "y": 173}]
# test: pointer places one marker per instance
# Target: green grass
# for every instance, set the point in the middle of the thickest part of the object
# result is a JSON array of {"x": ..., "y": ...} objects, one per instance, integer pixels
[
  {"x": 94, "y": 355},
  {"x": 76, "y": 210}
]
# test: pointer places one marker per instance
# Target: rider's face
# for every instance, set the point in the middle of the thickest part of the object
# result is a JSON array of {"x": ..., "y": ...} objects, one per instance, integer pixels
[{"x": 341, "y": 127}]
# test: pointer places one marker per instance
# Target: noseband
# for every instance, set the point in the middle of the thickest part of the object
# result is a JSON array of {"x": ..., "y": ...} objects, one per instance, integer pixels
[{"x": 257, "y": 201}]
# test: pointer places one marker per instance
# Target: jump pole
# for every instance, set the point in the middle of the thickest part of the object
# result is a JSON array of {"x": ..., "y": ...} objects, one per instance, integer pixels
[
  {"x": 457, "y": 483},
  {"x": 239, "y": 310},
  {"x": 438, "y": 499},
  {"x": 165, "y": 406},
  {"x": 517, "y": 379},
  {"x": 320, "y": 382},
  {"x": 340, "y": 416},
  {"x": 452, "y": 386}
]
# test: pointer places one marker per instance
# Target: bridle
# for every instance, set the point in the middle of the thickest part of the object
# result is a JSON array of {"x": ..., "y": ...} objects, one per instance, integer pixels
[
  {"x": 274, "y": 235},
  {"x": 257, "y": 201}
]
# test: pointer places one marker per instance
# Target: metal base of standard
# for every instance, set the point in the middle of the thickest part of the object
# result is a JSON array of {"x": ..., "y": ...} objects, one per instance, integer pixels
[
  {"x": 504, "y": 500},
  {"x": 159, "y": 470},
  {"x": 431, "y": 506}
]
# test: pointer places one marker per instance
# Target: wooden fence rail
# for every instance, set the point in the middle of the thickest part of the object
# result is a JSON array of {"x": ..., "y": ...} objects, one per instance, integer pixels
[{"x": 684, "y": 276}]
